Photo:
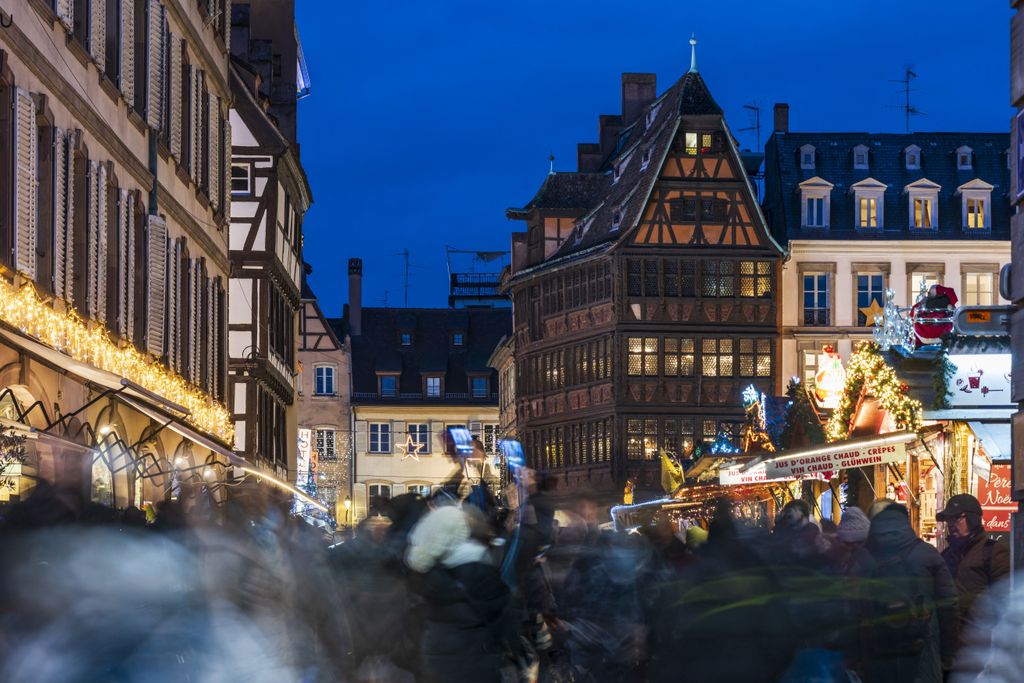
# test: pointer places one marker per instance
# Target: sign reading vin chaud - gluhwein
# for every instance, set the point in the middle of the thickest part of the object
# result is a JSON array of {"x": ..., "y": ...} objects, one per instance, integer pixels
[{"x": 824, "y": 464}]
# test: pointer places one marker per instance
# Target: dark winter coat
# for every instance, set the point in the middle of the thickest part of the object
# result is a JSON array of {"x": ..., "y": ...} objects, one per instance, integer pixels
[
  {"x": 467, "y": 624},
  {"x": 892, "y": 540},
  {"x": 978, "y": 565}
]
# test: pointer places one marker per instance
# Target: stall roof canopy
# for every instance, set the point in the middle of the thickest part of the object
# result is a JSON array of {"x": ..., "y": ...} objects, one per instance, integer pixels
[{"x": 994, "y": 437}]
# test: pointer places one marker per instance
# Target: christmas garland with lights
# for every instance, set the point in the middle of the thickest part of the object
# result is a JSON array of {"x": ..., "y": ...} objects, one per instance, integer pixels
[
  {"x": 67, "y": 332},
  {"x": 867, "y": 372},
  {"x": 941, "y": 376}
]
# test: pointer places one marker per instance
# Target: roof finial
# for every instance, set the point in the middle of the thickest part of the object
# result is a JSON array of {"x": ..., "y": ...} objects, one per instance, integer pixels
[
  {"x": 551, "y": 163},
  {"x": 693, "y": 54}
]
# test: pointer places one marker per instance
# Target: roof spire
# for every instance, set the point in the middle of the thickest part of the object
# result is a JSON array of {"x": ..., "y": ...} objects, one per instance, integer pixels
[
  {"x": 693, "y": 54},
  {"x": 551, "y": 163}
]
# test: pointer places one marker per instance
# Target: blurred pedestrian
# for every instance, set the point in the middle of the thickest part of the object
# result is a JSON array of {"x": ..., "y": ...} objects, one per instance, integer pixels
[
  {"x": 468, "y": 631},
  {"x": 913, "y": 614},
  {"x": 975, "y": 561}
]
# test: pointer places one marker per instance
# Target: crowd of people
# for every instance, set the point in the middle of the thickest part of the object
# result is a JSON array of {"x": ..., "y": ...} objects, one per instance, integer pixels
[{"x": 443, "y": 589}]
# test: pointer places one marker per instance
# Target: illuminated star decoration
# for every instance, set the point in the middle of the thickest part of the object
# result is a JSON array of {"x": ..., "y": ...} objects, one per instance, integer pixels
[
  {"x": 871, "y": 311},
  {"x": 411, "y": 448}
]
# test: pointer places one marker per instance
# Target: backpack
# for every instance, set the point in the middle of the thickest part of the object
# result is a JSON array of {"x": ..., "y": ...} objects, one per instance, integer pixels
[{"x": 900, "y": 616}]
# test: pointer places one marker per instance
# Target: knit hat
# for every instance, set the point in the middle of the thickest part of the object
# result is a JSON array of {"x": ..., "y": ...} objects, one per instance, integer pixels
[{"x": 854, "y": 526}]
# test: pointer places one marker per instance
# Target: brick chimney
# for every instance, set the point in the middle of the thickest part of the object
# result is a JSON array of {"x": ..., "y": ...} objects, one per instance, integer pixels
[
  {"x": 638, "y": 90},
  {"x": 781, "y": 124},
  {"x": 608, "y": 129},
  {"x": 588, "y": 157},
  {"x": 355, "y": 296}
]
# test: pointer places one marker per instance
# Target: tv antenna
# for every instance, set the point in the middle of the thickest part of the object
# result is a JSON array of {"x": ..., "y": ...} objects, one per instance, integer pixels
[
  {"x": 757, "y": 123},
  {"x": 405, "y": 255},
  {"x": 384, "y": 299},
  {"x": 907, "y": 108}
]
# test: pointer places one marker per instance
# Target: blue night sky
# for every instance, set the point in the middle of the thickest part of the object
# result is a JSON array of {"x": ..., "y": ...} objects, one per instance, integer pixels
[{"x": 427, "y": 119}]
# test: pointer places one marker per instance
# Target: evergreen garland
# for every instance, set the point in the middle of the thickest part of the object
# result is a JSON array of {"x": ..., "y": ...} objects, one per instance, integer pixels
[
  {"x": 941, "y": 377},
  {"x": 868, "y": 370}
]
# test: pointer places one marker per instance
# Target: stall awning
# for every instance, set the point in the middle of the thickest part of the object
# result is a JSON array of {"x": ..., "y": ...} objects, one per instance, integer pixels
[
  {"x": 827, "y": 459},
  {"x": 995, "y": 439}
]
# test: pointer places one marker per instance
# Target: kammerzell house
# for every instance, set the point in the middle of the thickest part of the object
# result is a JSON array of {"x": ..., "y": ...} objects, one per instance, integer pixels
[{"x": 644, "y": 293}]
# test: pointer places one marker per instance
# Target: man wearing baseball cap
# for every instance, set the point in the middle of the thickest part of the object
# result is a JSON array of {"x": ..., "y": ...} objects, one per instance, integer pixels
[{"x": 975, "y": 561}]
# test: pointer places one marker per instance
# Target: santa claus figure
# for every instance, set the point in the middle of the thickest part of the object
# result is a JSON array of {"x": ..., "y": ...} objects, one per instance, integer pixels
[{"x": 933, "y": 315}]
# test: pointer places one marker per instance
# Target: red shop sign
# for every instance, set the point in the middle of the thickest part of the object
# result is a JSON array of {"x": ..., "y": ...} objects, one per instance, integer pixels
[{"x": 994, "y": 496}]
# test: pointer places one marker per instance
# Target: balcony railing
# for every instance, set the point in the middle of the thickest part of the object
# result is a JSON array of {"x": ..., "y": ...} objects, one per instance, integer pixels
[{"x": 413, "y": 396}]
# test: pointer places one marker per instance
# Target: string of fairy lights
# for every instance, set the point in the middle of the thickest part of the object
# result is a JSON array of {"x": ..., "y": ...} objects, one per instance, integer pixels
[
  {"x": 868, "y": 370},
  {"x": 23, "y": 308}
]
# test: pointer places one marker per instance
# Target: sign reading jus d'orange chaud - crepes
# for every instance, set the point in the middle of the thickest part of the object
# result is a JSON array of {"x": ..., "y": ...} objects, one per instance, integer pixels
[{"x": 825, "y": 464}]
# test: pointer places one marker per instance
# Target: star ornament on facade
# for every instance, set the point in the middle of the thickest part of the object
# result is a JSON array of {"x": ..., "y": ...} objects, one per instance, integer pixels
[
  {"x": 871, "y": 311},
  {"x": 411, "y": 448}
]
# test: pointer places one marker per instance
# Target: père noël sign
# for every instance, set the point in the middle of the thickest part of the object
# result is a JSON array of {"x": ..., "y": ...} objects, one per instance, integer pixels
[{"x": 826, "y": 463}]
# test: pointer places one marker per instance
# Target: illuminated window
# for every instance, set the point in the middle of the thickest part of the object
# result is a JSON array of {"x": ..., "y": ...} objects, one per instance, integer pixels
[
  {"x": 867, "y": 212},
  {"x": 691, "y": 144},
  {"x": 642, "y": 356},
  {"x": 923, "y": 212},
  {"x": 677, "y": 436},
  {"x": 716, "y": 357},
  {"x": 817, "y": 302},
  {"x": 979, "y": 289},
  {"x": 641, "y": 438},
  {"x": 755, "y": 357},
  {"x": 756, "y": 278},
  {"x": 679, "y": 354},
  {"x": 918, "y": 280},
  {"x": 975, "y": 212}
]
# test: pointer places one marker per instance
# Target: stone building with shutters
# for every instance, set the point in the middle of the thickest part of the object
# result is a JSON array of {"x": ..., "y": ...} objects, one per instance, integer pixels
[
  {"x": 324, "y": 408},
  {"x": 269, "y": 197},
  {"x": 415, "y": 373},
  {"x": 862, "y": 213},
  {"x": 644, "y": 294},
  {"x": 114, "y": 246}
]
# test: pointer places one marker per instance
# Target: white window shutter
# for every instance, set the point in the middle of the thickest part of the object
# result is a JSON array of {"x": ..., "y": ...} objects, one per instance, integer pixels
[
  {"x": 154, "y": 64},
  {"x": 60, "y": 209},
  {"x": 362, "y": 437},
  {"x": 127, "y": 49},
  {"x": 177, "y": 47},
  {"x": 156, "y": 283},
  {"x": 98, "y": 32},
  {"x": 26, "y": 182},
  {"x": 214, "y": 150},
  {"x": 436, "y": 436},
  {"x": 475, "y": 429},
  {"x": 66, "y": 14}
]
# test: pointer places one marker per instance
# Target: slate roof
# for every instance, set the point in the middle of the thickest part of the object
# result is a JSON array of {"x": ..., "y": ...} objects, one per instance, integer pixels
[
  {"x": 378, "y": 349},
  {"x": 886, "y": 163},
  {"x": 627, "y": 195}
]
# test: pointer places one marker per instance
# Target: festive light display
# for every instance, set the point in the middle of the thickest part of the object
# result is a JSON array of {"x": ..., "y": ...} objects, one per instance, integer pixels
[
  {"x": 67, "y": 332},
  {"x": 868, "y": 371}
]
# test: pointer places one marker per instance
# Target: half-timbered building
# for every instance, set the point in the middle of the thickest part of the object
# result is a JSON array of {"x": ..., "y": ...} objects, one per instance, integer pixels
[
  {"x": 113, "y": 245},
  {"x": 269, "y": 196},
  {"x": 324, "y": 408},
  {"x": 644, "y": 293}
]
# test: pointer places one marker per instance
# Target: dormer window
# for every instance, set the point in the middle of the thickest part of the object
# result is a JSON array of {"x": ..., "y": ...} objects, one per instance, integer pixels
[
  {"x": 405, "y": 338},
  {"x": 976, "y": 205},
  {"x": 860, "y": 157},
  {"x": 923, "y": 198},
  {"x": 964, "y": 158},
  {"x": 815, "y": 202},
  {"x": 388, "y": 385},
  {"x": 458, "y": 339},
  {"x": 868, "y": 203},
  {"x": 912, "y": 157},
  {"x": 645, "y": 159},
  {"x": 620, "y": 167},
  {"x": 807, "y": 157},
  {"x": 616, "y": 219},
  {"x": 652, "y": 114}
]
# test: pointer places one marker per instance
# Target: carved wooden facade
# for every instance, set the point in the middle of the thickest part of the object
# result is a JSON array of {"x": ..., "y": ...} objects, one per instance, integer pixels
[{"x": 640, "y": 328}]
